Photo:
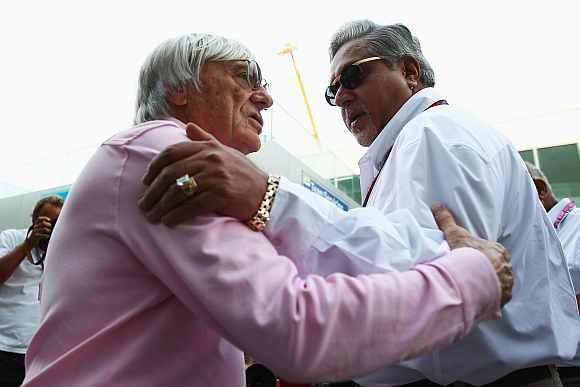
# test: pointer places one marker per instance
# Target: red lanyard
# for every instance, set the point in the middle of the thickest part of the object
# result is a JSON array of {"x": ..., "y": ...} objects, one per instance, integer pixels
[
  {"x": 368, "y": 195},
  {"x": 564, "y": 213}
]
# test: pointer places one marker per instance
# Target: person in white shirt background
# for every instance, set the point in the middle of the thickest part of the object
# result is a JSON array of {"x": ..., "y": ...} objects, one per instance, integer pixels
[
  {"x": 565, "y": 218},
  {"x": 422, "y": 149},
  {"x": 21, "y": 255}
]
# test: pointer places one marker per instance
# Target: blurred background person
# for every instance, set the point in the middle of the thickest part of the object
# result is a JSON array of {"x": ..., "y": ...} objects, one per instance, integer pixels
[
  {"x": 565, "y": 217},
  {"x": 21, "y": 260}
]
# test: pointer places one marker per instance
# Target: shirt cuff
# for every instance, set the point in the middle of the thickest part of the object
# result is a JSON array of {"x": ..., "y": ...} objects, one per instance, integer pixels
[{"x": 477, "y": 281}]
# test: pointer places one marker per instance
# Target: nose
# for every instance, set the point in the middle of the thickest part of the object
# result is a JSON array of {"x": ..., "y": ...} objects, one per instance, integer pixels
[
  {"x": 343, "y": 96},
  {"x": 261, "y": 97}
]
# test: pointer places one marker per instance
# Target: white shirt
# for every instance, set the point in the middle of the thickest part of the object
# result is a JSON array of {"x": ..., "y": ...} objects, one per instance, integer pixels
[
  {"x": 19, "y": 305},
  {"x": 444, "y": 155},
  {"x": 569, "y": 233}
]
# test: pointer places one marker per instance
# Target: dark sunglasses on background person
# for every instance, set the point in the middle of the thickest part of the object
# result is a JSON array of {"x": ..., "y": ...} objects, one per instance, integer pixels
[{"x": 350, "y": 78}]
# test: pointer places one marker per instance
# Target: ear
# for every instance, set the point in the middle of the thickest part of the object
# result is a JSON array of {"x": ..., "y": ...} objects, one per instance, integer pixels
[
  {"x": 542, "y": 188},
  {"x": 178, "y": 97},
  {"x": 411, "y": 71}
]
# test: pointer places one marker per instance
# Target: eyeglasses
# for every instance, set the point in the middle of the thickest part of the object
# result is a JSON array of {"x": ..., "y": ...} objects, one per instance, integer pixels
[
  {"x": 254, "y": 75},
  {"x": 350, "y": 78}
]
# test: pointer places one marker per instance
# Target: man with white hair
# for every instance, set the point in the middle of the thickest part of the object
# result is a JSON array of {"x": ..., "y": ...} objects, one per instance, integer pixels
[
  {"x": 421, "y": 149},
  {"x": 128, "y": 303}
]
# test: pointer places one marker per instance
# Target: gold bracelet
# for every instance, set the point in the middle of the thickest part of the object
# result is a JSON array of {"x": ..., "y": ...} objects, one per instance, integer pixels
[{"x": 262, "y": 216}]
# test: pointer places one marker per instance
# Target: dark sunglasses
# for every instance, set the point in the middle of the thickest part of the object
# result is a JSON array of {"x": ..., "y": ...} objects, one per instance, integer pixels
[{"x": 350, "y": 78}]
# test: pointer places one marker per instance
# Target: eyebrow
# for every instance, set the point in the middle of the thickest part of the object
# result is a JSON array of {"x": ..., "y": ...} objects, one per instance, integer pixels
[
  {"x": 238, "y": 64},
  {"x": 334, "y": 78}
]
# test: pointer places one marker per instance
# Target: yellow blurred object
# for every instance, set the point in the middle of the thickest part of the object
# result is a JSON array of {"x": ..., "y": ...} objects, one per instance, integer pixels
[{"x": 289, "y": 49}]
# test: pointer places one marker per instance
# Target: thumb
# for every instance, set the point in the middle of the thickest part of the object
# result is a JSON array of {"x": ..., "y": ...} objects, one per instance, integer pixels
[
  {"x": 195, "y": 133},
  {"x": 443, "y": 217}
]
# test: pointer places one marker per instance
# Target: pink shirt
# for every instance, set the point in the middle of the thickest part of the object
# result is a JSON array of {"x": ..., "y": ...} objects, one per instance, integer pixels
[{"x": 128, "y": 303}]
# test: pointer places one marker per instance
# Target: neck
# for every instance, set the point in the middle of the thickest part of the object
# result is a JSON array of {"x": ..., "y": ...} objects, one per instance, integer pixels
[
  {"x": 416, "y": 89},
  {"x": 175, "y": 113},
  {"x": 550, "y": 203}
]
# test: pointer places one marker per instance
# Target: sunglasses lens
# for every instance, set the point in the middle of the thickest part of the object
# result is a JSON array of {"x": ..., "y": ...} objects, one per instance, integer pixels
[
  {"x": 351, "y": 77},
  {"x": 330, "y": 94}
]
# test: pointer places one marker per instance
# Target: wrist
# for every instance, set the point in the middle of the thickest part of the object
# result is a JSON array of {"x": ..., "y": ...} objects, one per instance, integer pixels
[
  {"x": 261, "y": 217},
  {"x": 27, "y": 246}
]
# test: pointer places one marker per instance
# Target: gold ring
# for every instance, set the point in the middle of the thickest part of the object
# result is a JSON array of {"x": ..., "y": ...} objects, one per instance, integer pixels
[{"x": 187, "y": 184}]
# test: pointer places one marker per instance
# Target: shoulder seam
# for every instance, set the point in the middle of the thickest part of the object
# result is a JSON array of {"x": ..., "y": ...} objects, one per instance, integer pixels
[{"x": 129, "y": 140}]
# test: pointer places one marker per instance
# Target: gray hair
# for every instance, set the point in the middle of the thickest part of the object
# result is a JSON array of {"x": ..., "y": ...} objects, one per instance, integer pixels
[
  {"x": 536, "y": 173},
  {"x": 176, "y": 63},
  {"x": 391, "y": 42}
]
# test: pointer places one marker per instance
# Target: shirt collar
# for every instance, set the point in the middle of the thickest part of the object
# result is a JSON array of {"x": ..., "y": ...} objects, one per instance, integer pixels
[
  {"x": 375, "y": 154},
  {"x": 555, "y": 211}
]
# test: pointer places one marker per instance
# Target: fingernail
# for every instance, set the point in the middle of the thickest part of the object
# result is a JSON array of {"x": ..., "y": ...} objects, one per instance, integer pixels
[{"x": 437, "y": 207}]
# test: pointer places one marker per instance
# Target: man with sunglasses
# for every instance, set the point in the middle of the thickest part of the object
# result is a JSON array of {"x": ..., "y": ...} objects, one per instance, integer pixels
[
  {"x": 21, "y": 253},
  {"x": 421, "y": 150}
]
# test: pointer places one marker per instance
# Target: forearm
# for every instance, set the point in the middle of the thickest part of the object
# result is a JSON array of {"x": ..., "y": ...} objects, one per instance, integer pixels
[
  {"x": 360, "y": 241},
  {"x": 10, "y": 262},
  {"x": 315, "y": 329}
]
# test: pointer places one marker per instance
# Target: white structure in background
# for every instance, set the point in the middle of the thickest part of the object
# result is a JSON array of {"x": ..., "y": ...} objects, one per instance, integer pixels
[
  {"x": 276, "y": 160},
  {"x": 15, "y": 211}
]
